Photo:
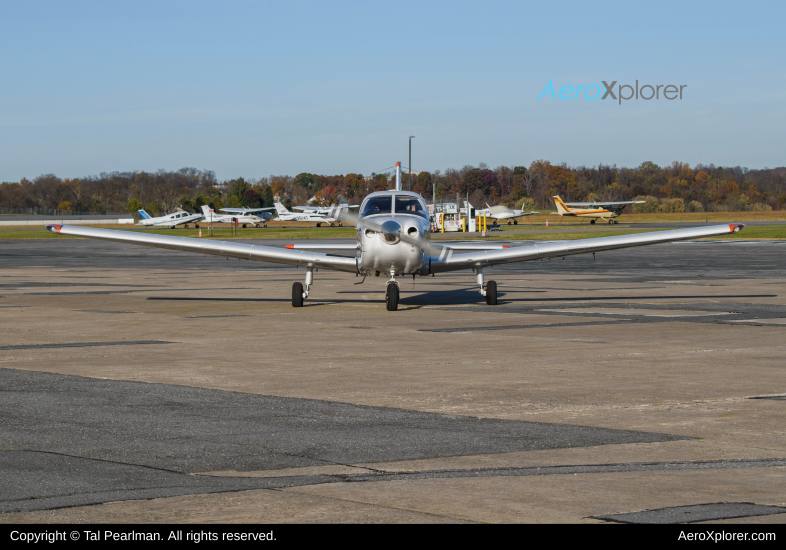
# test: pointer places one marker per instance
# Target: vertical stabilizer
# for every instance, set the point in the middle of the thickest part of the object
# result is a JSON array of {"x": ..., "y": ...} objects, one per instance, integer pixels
[
  {"x": 144, "y": 215},
  {"x": 281, "y": 209},
  {"x": 562, "y": 208}
]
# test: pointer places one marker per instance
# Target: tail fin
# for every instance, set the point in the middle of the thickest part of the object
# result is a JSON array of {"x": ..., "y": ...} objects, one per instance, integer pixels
[
  {"x": 280, "y": 208},
  {"x": 205, "y": 210},
  {"x": 144, "y": 215},
  {"x": 562, "y": 208}
]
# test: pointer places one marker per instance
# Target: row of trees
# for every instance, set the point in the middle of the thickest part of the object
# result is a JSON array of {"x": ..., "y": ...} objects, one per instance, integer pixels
[{"x": 675, "y": 187}]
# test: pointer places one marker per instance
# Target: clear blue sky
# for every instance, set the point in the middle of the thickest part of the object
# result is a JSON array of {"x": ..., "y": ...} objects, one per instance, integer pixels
[{"x": 259, "y": 88}]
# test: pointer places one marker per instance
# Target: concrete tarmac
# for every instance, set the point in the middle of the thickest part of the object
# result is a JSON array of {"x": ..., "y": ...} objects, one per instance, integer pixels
[{"x": 140, "y": 385}]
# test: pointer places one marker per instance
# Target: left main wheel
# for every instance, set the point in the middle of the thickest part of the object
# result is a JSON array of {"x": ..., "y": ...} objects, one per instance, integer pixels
[
  {"x": 297, "y": 295},
  {"x": 491, "y": 293}
]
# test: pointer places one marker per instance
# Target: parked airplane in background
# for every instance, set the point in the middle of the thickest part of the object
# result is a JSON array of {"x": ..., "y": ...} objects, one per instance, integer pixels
[
  {"x": 170, "y": 220},
  {"x": 605, "y": 211},
  {"x": 284, "y": 215},
  {"x": 393, "y": 233},
  {"x": 501, "y": 212},
  {"x": 244, "y": 216},
  {"x": 338, "y": 212}
]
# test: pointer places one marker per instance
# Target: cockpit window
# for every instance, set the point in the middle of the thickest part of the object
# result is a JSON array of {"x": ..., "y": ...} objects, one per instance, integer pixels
[
  {"x": 377, "y": 205},
  {"x": 406, "y": 204}
]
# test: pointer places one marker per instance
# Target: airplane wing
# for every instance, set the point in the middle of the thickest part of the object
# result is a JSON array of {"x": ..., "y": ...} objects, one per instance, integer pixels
[
  {"x": 354, "y": 246},
  {"x": 324, "y": 209},
  {"x": 556, "y": 249},
  {"x": 609, "y": 203},
  {"x": 510, "y": 215},
  {"x": 216, "y": 248},
  {"x": 245, "y": 210}
]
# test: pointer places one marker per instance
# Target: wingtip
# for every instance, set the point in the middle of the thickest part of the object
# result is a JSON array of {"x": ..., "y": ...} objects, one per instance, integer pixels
[
  {"x": 54, "y": 228},
  {"x": 736, "y": 227},
  {"x": 290, "y": 246},
  {"x": 505, "y": 246}
]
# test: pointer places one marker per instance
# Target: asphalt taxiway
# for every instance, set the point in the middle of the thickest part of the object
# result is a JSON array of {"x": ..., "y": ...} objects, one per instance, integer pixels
[{"x": 644, "y": 385}]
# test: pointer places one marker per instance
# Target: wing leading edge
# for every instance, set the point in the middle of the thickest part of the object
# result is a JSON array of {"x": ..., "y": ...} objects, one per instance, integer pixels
[
  {"x": 220, "y": 248},
  {"x": 454, "y": 262}
]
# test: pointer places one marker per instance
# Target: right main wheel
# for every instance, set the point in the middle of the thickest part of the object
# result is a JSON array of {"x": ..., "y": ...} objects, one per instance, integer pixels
[
  {"x": 392, "y": 297},
  {"x": 297, "y": 295},
  {"x": 491, "y": 293}
]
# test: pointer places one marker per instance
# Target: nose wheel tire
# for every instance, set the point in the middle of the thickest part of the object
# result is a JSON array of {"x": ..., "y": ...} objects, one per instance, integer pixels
[
  {"x": 592, "y": 222},
  {"x": 297, "y": 295},
  {"x": 392, "y": 297},
  {"x": 491, "y": 293}
]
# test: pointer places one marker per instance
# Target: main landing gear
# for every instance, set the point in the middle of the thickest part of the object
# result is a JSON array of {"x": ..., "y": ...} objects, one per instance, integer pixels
[
  {"x": 298, "y": 294},
  {"x": 487, "y": 289}
]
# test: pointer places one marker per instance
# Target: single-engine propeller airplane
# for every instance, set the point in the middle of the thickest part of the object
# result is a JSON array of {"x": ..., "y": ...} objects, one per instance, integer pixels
[
  {"x": 169, "y": 220},
  {"x": 393, "y": 239},
  {"x": 502, "y": 212},
  {"x": 605, "y": 211},
  {"x": 243, "y": 216},
  {"x": 336, "y": 212},
  {"x": 284, "y": 215}
]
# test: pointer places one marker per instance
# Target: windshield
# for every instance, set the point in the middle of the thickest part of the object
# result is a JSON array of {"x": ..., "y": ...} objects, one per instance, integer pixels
[
  {"x": 377, "y": 205},
  {"x": 410, "y": 205}
]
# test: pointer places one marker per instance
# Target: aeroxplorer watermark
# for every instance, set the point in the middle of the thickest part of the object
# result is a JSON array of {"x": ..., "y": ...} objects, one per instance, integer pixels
[{"x": 624, "y": 92}]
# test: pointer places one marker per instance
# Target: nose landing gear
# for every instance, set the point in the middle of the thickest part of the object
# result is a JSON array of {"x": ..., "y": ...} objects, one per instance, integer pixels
[{"x": 391, "y": 293}]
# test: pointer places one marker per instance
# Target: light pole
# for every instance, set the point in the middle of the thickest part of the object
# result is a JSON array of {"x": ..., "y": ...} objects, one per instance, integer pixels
[{"x": 409, "y": 183}]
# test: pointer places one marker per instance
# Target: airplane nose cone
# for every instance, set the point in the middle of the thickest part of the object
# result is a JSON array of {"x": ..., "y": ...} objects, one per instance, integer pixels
[{"x": 390, "y": 231}]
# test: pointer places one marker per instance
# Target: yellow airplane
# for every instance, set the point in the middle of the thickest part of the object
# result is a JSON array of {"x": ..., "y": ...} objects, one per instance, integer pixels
[{"x": 605, "y": 211}]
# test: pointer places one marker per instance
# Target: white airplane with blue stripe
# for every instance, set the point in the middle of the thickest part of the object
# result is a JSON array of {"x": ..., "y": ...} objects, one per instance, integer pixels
[{"x": 170, "y": 220}]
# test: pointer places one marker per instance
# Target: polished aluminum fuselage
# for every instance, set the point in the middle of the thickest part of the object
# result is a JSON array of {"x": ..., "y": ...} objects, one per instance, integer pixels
[{"x": 392, "y": 256}]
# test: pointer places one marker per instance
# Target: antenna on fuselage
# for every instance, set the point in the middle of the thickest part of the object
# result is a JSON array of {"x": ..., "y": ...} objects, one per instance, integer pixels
[{"x": 398, "y": 176}]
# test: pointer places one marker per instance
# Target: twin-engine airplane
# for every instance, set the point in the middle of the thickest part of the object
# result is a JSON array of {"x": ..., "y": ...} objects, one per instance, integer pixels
[
  {"x": 243, "y": 216},
  {"x": 393, "y": 238},
  {"x": 605, "y": 211},
  {"x": 170, "y": 220}
]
